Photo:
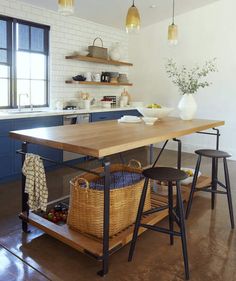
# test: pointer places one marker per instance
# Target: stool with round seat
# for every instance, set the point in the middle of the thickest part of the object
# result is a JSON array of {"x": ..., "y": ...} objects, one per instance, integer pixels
[
  {"x": 212, "y": 188},
  {"x": 176, "y": 214}
]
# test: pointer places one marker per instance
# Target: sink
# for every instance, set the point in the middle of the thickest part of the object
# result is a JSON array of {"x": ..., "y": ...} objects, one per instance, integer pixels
[{"x": 25, "y": 112}]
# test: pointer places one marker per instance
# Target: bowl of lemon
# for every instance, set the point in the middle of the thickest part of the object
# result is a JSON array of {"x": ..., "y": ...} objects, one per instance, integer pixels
[
  {"x": 155, "y": 110},
  {"x": 190, "y": 172}
]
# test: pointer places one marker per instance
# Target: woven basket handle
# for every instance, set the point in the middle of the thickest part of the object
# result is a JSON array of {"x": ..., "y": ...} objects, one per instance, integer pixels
[
  {"x": 96, "y": 40},
  {"x": 79, "y": 180},
  {"x": 134, "y": 161}
]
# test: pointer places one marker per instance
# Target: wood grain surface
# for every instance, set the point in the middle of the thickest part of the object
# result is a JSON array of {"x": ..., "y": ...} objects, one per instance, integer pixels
[{"x": 101, "y": 139}]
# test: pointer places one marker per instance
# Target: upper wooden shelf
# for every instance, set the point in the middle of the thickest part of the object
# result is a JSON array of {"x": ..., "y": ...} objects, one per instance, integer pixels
[
  {"x": 97, "y": 83},
  {"x": 98, "y": 60}
]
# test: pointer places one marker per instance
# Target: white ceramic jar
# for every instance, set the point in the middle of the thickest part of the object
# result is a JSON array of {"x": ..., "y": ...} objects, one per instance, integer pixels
[{"x": 115, "y": 53}]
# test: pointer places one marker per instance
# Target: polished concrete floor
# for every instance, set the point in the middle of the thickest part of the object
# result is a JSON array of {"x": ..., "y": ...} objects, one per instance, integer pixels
[{"x": 37, "y": 256}]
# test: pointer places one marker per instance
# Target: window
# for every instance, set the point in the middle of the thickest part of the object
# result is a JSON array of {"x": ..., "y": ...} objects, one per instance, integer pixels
[{"x": 24, "y": 49}]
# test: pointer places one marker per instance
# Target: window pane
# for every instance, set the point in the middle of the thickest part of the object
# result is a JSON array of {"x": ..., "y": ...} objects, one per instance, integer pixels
[
  {"x": 23, "y": 37},
  {"x": 3, "y": 34},
  {"x": 38, "y": 92},
  {"x": 23, "y": 65},
  {"x": 4, "y": 71},
  {"x": 3, "y": 56},
  {"x": 4, "y": 92},
  {"x": 38, "y": 66},
  {"x": 37, "y": 39},
  {"x": 23, "y": 87}
]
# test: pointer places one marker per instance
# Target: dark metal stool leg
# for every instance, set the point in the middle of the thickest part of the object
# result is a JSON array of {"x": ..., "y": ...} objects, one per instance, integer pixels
[
  {"x": 190, "y": 200},
  {"x": 138, "y": 219},
  {"x": 228, "y": 189},
  {"x": 213, "y": 182},
  {"x": 170, "y": 203},
  {"x": 182, "y": 230}
]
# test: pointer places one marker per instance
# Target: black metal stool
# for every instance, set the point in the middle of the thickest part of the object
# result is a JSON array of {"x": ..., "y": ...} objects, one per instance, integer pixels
[
  {"x": 215, "y": 155},
  {"x": 175, "y": 214}
]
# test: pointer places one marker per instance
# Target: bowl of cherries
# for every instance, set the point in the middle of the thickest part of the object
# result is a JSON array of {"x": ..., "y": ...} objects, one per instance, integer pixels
[{"x": 58, "y": 214}]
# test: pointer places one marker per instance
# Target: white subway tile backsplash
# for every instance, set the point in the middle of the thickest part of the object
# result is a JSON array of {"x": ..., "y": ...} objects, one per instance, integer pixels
[{"x": 69, "y": 34}]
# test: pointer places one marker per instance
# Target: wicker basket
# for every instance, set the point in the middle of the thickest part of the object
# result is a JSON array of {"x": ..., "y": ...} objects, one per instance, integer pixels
[
  {"x": 86, "y": 204},
  {"x": 98, "y": 52}
]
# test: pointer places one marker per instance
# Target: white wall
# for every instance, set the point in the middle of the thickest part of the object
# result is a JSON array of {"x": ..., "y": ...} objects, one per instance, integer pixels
[
  {"x": 204, "y": 33},
  {"x": 69, "y": 34}
]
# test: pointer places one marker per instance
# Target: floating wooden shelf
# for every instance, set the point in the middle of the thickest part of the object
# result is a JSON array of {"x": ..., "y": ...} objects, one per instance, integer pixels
[
  {"x": 98, "y": 60},
  {"x": 93, "y": 246},
  {"x": 98, "y": 83}
]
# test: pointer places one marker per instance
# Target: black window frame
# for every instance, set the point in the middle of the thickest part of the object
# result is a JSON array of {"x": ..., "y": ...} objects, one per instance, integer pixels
[{"x": 11, "y": 57}]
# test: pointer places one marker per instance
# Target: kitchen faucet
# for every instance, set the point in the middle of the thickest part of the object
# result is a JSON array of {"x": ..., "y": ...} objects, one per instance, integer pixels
[{"x": 19, "y": 103}]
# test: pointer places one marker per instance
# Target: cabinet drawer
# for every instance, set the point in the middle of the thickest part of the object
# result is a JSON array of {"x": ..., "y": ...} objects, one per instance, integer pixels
[{"x": 101, "y": 116}]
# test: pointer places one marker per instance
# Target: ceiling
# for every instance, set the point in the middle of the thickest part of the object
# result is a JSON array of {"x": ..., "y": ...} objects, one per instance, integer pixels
[{"x": 113, "y": 12}]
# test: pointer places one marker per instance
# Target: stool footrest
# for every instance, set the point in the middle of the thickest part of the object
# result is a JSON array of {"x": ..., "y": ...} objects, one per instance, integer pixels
[
  {"x": 213, "y": 191},
  {"x": 160, "y": 229},
  {"x": 221, "y": 184},
  {"x": 154, "y": 210}
]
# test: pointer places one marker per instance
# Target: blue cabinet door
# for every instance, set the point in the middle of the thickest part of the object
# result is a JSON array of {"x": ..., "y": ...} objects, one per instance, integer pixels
[
  {"x": 6, "y": 145},
  {"x": 37, "y": 122},
  {"x": 10, "y": 161}
]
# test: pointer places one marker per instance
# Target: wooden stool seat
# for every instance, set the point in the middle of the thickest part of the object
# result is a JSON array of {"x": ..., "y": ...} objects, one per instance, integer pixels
[
  {"x": 211, "y": 153},
  {"x": 164, "y": 174}
]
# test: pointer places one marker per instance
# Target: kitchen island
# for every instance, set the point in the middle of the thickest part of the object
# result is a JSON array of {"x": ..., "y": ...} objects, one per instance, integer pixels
[{"x": 101, "y": 140}]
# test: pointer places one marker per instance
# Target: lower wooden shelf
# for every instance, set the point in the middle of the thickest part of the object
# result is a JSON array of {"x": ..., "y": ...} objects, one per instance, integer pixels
[{"x": 93, "y": 246}]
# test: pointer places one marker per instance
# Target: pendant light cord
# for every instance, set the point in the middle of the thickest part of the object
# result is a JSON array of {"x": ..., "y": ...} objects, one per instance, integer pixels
[
  {"x": 133, "y": 4},
  {"x": 173, "y": 16}
]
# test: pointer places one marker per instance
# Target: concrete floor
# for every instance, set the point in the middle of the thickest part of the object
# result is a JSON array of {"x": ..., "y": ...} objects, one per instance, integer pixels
[{"x": 37, "y": 256}]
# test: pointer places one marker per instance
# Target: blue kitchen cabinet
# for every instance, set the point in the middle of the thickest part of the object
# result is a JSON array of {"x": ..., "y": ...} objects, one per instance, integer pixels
[
  {"x": 38, "y": 122},
  {"x": 10, "y": 161},
  {"x": 6, "y": 146},
  {"x": 112, "y": 115}
]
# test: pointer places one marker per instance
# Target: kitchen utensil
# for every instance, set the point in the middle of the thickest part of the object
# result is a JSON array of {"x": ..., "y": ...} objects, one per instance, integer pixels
[
  {"x": 86, "y": 104},
  {"x": 105, "y": 77},
  {"x": 88, "y": 76},
  {"x": 96, "y": 77}
]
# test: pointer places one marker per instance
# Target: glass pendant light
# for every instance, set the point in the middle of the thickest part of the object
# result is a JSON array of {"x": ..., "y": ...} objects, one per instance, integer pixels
[
  {"x": 66, "y": 7},
  {"x": 173, "y": 29},
  {"x": 133, "y": 19}
]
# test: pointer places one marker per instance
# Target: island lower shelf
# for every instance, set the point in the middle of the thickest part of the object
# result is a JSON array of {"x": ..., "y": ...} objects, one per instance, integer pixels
[{"x": 93, "y": 246}]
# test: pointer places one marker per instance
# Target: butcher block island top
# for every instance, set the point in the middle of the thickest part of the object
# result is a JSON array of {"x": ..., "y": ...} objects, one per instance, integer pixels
[{"x": 101, "y": 139}]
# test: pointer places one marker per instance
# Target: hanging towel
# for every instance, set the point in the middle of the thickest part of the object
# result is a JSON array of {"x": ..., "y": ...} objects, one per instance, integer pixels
[{"x": 35, "y": 184}]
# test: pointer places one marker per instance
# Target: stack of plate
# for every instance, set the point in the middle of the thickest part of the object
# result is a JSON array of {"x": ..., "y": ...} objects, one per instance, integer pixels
[
  {"x": 129, "y": 119},
  {"x": 123, "y": 78}
]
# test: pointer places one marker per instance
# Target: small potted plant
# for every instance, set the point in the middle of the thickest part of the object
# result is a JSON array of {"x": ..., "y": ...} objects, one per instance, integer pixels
[{"x": 188, "y": 82}]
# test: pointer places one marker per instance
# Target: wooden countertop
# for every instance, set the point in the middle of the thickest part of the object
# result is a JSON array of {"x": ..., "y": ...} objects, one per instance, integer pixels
[{"x": 101, "y": 139}]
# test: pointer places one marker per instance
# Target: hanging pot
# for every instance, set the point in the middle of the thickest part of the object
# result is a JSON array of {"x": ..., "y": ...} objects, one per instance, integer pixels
[{"x": 187, "y": 107}]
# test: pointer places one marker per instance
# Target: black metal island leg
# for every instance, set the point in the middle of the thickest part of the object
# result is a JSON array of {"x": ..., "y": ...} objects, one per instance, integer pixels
[
  {"x": 106, "y": 219},
  {"x": 24, "y": 196}
]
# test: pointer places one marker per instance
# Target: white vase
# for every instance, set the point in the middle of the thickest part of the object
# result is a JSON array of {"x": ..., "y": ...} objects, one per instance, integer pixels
[
  {"x": 115, "y": 53},
  {"x": 187, "y": 107}
]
